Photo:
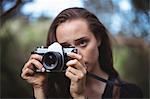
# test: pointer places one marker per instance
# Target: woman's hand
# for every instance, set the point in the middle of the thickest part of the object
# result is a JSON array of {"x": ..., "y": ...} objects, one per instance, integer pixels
[
  {"x": 37, "y": 80},
  {"x": 76, "y": 72}
]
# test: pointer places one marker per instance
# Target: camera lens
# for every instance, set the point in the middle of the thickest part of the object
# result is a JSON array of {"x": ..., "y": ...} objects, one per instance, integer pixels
[{"x": 52, "y": 60}]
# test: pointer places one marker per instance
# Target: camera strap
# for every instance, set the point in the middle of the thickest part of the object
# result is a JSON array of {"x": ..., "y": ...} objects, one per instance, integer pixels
[{"x": 110, "y": 82}]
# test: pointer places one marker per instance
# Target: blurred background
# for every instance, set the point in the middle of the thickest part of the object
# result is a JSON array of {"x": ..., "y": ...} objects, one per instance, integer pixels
[{"x": 24, "y": 25}]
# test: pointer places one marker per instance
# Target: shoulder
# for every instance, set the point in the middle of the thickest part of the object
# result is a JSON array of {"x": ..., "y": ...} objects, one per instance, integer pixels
[{"x": 129, "y": 90}]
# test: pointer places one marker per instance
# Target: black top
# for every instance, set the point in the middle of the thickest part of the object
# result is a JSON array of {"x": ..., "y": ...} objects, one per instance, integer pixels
[{"x": 127, "y": 90}]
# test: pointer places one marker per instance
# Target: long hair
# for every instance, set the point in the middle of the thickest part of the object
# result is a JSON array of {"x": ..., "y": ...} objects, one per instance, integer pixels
[{"x": 99, "y": 31}]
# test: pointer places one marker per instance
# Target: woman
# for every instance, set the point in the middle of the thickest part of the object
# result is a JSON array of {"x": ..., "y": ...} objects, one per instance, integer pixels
[{"x": 81, "y": 29}]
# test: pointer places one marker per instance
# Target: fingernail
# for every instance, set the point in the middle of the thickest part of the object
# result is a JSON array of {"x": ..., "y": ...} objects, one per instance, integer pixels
[
  {"x": 69, "y": 63},
  {"x": 43, "y": 69}
]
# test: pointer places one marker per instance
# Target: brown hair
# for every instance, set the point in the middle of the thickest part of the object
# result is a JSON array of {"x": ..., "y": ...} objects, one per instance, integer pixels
[{"x": 96, "y": 27}]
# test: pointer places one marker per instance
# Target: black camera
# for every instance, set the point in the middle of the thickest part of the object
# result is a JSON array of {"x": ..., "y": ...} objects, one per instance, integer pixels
[{"x": 54, "y": 57}]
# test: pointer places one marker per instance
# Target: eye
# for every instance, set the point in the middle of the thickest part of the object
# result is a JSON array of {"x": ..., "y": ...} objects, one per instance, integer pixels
[{"x": 83, "y": 43}]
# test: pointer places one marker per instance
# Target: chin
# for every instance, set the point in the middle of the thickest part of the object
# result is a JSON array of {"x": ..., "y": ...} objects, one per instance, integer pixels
[{"x": 90, "y": 68}]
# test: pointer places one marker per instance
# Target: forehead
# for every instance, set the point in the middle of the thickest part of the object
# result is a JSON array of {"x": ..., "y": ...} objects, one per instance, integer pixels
[{"x": 72, "y": 30}]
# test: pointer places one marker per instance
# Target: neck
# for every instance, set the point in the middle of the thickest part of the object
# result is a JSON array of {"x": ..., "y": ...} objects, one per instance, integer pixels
[
  {"x": 99, "y": 72},
  {"x": 94, "y": 86}
]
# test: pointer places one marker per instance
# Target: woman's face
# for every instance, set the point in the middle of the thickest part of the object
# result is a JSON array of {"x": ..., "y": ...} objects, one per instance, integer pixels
[{"x": 76, "y": 33}]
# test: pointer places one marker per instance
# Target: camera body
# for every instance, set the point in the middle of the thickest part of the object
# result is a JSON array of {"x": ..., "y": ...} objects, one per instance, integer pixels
[{"x": 54, "y": 57}]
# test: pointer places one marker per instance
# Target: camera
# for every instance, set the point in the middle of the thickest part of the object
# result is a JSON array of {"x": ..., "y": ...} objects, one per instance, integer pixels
[{"x": 54, "y": 57}]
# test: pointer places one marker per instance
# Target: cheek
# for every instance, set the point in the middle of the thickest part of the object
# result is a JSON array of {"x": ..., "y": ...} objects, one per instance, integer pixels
[{"x": 91, "y": 55}]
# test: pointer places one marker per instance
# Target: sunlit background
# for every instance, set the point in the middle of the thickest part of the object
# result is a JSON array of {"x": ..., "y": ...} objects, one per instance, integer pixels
[{"x": 24, "y": 26}]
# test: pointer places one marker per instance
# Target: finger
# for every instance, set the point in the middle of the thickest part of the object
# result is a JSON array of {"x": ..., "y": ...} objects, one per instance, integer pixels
[
  {"x": 75, "y": 63},
  {"x": 71, "y": 76},
  {"x": 27, "y": 65},
  {"x": 31, "y": 63},
  {"x": 37, "y": 64},
  {"x": 27, "y": 73},
  {"x": 76, "y": 72},
  {"x": 74, "y": 55},
  {"x": 36, "y": 56},
  {"x": 78, "y": 57}
]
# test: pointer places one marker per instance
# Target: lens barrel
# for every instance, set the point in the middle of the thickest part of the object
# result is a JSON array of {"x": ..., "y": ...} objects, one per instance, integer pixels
[{"x": 52, "y": 61}]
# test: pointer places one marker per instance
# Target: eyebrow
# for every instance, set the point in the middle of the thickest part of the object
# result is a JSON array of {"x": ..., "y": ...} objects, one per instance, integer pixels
[
  {"x": 67, "y": 44},
  {"x": 82, "y": 38}
]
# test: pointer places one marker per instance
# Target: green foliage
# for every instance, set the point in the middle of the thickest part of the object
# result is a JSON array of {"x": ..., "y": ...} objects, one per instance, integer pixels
[
  {"x": 18, "y": 38},
  {"x": 120, "y": 54},
  {"x": 132, "y": 63}
]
